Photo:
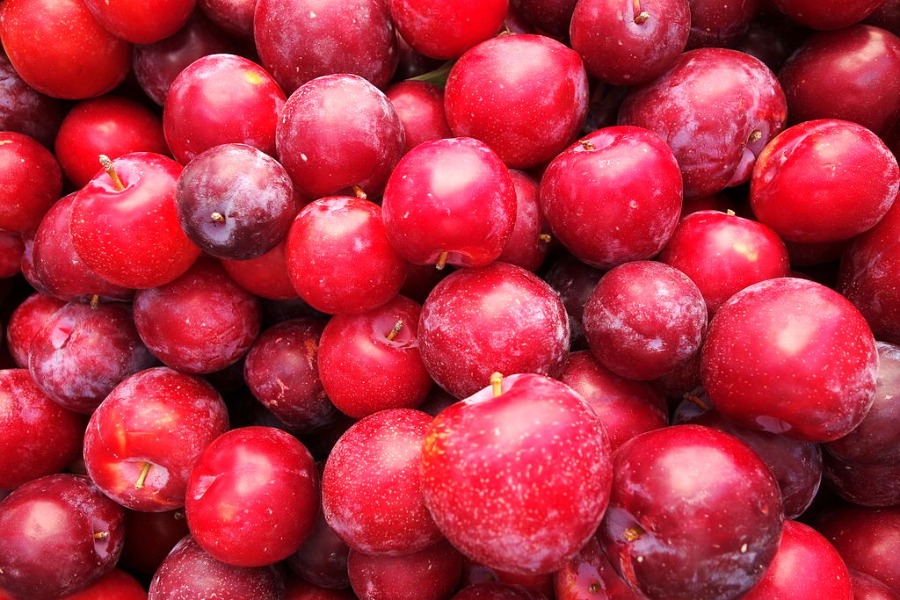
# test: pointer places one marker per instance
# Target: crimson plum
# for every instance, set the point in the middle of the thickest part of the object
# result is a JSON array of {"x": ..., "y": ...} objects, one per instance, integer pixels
[
  {"x": 791, "y": 356},
  {"x": 221, "y": 98},
  {"x": 614, "y": 196},
  {"x": 371, "y": 486},
  {"x": 145, "y": 437},
  {"x": 693, "y": 513},
  {"x": 252, "y": 496},
  {"x": 824, "y": 180},
  {"x": 199, "y": 323},
  {"x": 324, "y": 118},
  {"x": 450, "y": 201},
  {"x": 372, "y": 361},
  {"x": 339, "y": 256},
  {"x": 517, "y": 476},
  {"x": 524, "y": 95}
]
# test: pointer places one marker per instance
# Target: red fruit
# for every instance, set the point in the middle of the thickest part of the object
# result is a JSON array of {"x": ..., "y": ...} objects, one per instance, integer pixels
[
  {"x": 694, "y": 513},
  {"x": 299, "y": 40},
  {"x": 625, "y": 407},
  {"x": 190, "y": 572},
  {"x": 524, "y": 95},
  {"x": 324, "y": 118},
  {"x": 199, "y": 323},
  {"x": 716, "y": 109},
  {"x": 803, "y": 549},
  {"x": 495, "y": 318},
  {"x": 640, "y": 184},
  {"x": 219, "y": 99},
  {"x": 868, "y": 274},
  {"x": 30, "y": 419},
  {"x": 84, "y": 351},
  {"x": 862, "y": 67},
  {"x": 157, "y": 65},
  {"x": 127, "y": 229},
  {"x": 450, "y": 201},
  {"x": 252, "y": 496},
  {"x": 339, "y": 256},
  {"x": 30, "y": 179},
  {"x": 644, "y": 319},
  {"x": 723, "y": 253},
  {"x": 146, "y": 436},
  {"x": 517, "y": 475},
  {"x": 141, "y": 22},
  {"x": 629, "y": 47},
  {"x": 824, "y": 181},
  {"x": 429, "y": 574},
  {"x": 791, "y": 356},
  {"x": 58, "y": 534},
  {"x": 447, "y": 29},
  {"x": 372, "y": 488},
  {"x": 371, "y": 361},
  {"x": 282, "y": 372},
  {"x": 60, "y": 49},
  {"x": 828, "y": 14}
]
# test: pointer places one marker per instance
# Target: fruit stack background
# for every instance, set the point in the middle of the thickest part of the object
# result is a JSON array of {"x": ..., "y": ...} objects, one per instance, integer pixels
[{"x": 449, "y": 300}]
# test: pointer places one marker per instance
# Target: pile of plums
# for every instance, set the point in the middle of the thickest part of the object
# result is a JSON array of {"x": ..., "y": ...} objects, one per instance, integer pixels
[{"x": 449, "y": 300}]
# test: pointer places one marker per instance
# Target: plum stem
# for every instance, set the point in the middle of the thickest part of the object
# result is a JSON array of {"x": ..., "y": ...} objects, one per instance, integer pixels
[
  {"x": 730, "y": 213},
  {"x": 632, "y": 533},
  {"x": 496, "y": 383},
  {"x": 442, "y": 261},
  {"x": 586, "y": 145},
  {"x": 101, "y": 535},
  {"x": 395, "y": 330},
  {"x": 755, "y": 136},
  {"x": 359, "y": 192},
  {"x": 545, "y": 237},
  {"x": 640, "y": 16},
  {"x": 696, "y": 400},
  {"x": 108, "y": 167},
  {"x": 94, "y": 301},
  {"x": 139, "y": 484},
  {"x": 217, "y": 217}
]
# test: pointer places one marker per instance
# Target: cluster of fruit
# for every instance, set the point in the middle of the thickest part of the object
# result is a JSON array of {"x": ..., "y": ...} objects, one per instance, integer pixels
[{"x": 433, "y": 299}]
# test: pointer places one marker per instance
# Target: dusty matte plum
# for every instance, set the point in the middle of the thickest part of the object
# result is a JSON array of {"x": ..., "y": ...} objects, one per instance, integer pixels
[
  {"x": 299, "y": 40},
  {"x": 494, "y": 318},
  {"x": 868, "y": 274},
  {"x": 282, "y": 372},
  {"x": 84, "y": 351},
  {"x": 716, "y": 108},
  {"x": 644, "y": 319}
]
